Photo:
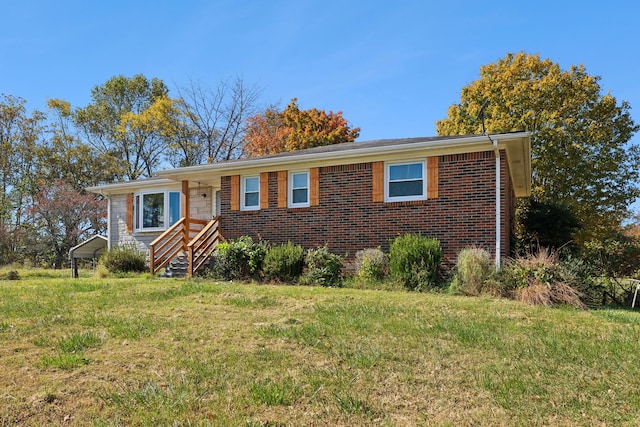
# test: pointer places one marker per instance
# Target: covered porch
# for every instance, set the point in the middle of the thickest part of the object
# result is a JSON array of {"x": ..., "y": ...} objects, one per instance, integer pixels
[{"x": 189, "y": 237}]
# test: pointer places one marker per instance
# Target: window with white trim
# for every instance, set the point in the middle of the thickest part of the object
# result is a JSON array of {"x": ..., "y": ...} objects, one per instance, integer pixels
[
  {"x": 156, "y": 211},
  {"x": 299, "y": 189},
  {"x": 250, "y": 193},
  {"x": 405, "y": 181}
]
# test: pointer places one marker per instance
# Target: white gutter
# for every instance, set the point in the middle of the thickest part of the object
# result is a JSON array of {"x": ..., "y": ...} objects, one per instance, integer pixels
[
  {"x": 498, "y": 207},
  {"x": 446, "y": 146}
]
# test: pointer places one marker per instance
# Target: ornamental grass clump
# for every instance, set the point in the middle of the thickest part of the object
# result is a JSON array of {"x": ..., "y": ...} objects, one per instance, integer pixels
[
  {"x": 415, "y": 261},
  {"x": 541, "y": 279},
  {"x": 371, "y": 265},
  {"x": 475, "y": 272}
]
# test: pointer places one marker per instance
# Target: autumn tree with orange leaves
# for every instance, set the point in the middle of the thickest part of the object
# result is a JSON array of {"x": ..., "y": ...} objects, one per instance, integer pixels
[{"x": 295, "y": 129}]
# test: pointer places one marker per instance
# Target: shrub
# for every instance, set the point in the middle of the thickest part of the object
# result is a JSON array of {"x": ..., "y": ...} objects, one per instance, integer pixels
[
  {"x": 124, "y": 259},
  {"x": 13, "y": 275},
  {"x": 283, "y": 262},
  {"x": 612, "y": 260},
  {"x": 323, "y": 267},
  {"x": 415, "y": 261},
  {"x": 238, "y": 259},
  {"x": 475, "y": 271},
  {"x": 541, "y": 279},
  {"x": 371, "y": 264}
]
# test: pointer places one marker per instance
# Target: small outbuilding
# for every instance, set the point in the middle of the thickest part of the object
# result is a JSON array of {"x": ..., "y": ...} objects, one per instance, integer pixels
[{"x": 89, "y": 249}]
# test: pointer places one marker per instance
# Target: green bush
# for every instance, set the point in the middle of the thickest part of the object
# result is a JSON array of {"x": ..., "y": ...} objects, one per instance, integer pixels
[
  {"x": 612, "y": 260},
  {"x": 415, "y": 261},
  {"x": 475, "y": 272},
  {"x": 13, "y": 275},
  {"x": 371, "y": 265},
  {"x": 238, "y": 259},
  {"x": 323, "y": 267},
  {"x": 283, "y": 262},
  {"x": 124, "y": 259}
]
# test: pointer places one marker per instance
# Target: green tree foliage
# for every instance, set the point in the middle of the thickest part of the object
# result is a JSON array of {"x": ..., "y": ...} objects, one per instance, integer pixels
[
  {"x": 295, "y": 129},
  {"x": 120, "y": 122},
  {"x": 545, "y": 224},
  {"x": 580, "y": 137},
  {"x": 63, "y": 155},
  {"x": 19, "y": 137}
]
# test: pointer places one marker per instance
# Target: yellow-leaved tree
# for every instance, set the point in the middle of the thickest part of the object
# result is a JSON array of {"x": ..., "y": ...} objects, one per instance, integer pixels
[{"x": 582, "y": 157}]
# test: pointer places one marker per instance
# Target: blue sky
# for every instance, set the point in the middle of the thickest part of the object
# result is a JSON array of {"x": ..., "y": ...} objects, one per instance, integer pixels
[{"x": 392, "y": 68}]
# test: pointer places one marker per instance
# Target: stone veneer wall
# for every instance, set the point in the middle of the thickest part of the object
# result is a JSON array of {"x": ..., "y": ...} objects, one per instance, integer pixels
[{"x": 201, "y": 208}]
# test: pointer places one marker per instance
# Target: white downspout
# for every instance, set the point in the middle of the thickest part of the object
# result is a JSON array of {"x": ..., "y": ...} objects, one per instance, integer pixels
[
  {"x": 498, "y": 208},
  {"x": 108, "y": 223}
]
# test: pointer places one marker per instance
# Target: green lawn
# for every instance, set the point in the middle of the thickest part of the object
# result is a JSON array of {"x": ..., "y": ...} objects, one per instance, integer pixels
[{"x": 145, "y": 351}]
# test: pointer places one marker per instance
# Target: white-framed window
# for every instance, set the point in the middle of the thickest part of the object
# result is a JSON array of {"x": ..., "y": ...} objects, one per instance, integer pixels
[
  {"x": 156, "y": 210},
  {"x": 250, "y": 193},
  {"x": 299, "y": 189},
  {"x": 405, "y": 181}
]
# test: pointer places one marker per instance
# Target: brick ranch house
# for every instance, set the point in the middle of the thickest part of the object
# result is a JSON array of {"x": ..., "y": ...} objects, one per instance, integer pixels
[{"x": 458, "y": 189}]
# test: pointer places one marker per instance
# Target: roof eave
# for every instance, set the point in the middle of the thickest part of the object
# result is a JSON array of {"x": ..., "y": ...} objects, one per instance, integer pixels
[{"x": 446, "y": 146}]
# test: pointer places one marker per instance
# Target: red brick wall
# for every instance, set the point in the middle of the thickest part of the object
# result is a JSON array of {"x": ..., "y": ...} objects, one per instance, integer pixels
[{"x": 347, "y": 219}]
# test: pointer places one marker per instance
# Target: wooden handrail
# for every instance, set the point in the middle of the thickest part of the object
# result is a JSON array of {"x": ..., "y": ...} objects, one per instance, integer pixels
[
  {"x": 202, "y": 245},
  {"x": 166, "y": 246},
  {"x": 177, "y": 238},
  {"x": 169, "y": 230}
]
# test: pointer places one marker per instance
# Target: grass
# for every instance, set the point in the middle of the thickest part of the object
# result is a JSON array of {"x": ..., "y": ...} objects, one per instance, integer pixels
[{"x": 144, "y": 351}]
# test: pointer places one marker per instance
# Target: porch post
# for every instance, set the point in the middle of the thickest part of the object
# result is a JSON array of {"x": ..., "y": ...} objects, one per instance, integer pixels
[{"x": 185, "y": 210}]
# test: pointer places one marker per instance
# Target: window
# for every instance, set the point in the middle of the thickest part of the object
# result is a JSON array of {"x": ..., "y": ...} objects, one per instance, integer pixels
[
  {"x": 405, "y": 181},
  {"x": 299, "y": 189},
  {"x": 250, "y": 193},
  {"x": 157, "y": 211}
]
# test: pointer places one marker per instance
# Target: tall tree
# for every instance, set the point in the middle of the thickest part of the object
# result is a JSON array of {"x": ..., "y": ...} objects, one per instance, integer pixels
[
  {"x": 294, "y": 129},
  {"x": 171, "y": 121},
  {"x": 581, "y": 155},
  {"x": 111, "y": 124},
  {"x": 62, "y": 217},
  {"x": 20, "y": 134},
  {"x": 63, "y": 155},
  {"x": 218, "y": 117}
]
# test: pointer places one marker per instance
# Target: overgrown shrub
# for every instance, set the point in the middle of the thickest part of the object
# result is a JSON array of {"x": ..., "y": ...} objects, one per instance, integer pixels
[
  {"x": 475, "y": 272},
  {"x": 238, "y": 259},
  {"x": 415, "y": 261},
  {"x": 540, "y": 279},
  {"x": 124, "y": 259},
  {"x": 613, "y": 260},
  {"x": 283, "y": 262},
  {"x": 371, "y": 264},
  {"x": 13, "y": 275},
  {"x": 323, "y": 267}
]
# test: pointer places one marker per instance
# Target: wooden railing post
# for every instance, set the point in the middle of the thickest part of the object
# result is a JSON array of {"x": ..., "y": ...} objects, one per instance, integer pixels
[
  {"x": 152, "y": 258},
  {"x": 186, "y": 208},
  {"x": 202, "y": 245}
]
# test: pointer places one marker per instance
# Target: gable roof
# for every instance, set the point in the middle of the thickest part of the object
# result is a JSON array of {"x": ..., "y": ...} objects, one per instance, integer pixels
[{"x": 517, "y": 146}]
